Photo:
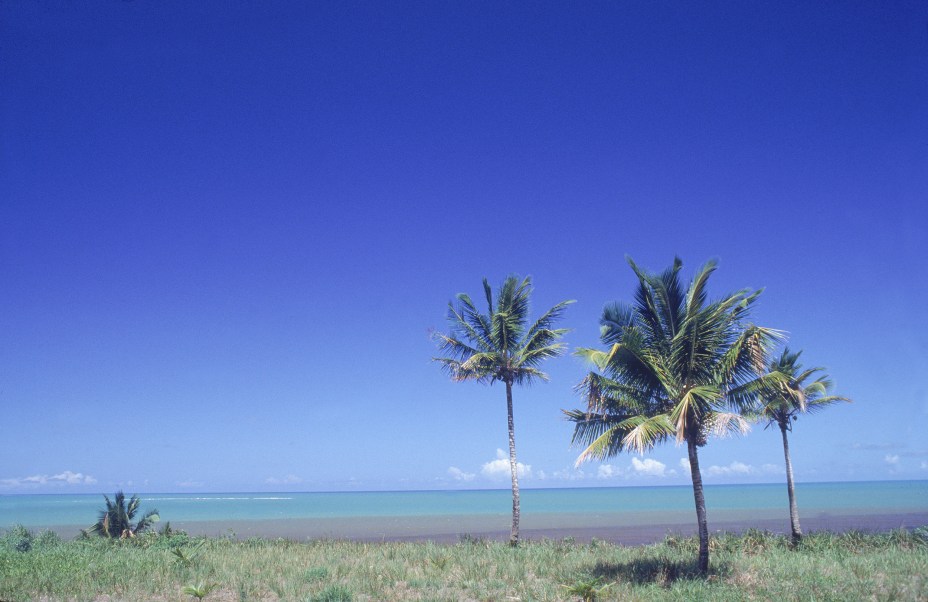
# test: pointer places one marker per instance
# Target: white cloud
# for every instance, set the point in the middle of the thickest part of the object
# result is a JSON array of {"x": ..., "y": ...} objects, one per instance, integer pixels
[
  {"x": 499, "y": 467},
  {"x": 772, "y": 469},
  {"x": 189, "y": 483},
  {"x": 290, "y": 479},
  {"x": 63, "y": 478},
  {"x": 607, "y": 471},
  {"x": 735, "y": 468},
  {"x": 874, "y": 446},
  {"x": 891, "y": 459},
  {"x": 73, "y": 478},
  {"x": 651, "y": 468},
  {"x": 569, "y": 474},
  {"x": 685, "y": 465},
  {"x": 459, "y": 475}
]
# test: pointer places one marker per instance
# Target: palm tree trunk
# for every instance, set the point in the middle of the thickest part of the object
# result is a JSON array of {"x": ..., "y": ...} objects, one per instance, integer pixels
[
  {"x": 700, "y": 508},
  {"x": 513, "y": 466},
  {"x": 793, "y": 507}
]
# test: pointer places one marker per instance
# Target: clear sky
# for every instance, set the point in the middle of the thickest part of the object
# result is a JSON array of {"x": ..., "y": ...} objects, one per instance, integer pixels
[{"x": 226, "y": 229}]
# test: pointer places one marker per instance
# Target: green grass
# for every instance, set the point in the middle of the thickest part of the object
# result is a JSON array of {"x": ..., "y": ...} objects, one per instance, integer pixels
[{"x": 752, "y": 566}]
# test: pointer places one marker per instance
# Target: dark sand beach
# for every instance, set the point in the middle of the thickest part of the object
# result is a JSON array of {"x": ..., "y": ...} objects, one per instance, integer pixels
[{"x": 621, "y": 528}]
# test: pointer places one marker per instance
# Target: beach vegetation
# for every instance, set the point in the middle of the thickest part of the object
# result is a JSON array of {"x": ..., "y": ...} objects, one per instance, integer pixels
[
  {"x": 199, "y": 590},
  {"x": 676, "y": 367},
  {"x": 186, "y": 557},
  {"x": 501, "y": 346},
  {"x": 317, "y": 573},
  {"x": 473, "y": 540},
  {"x": 756, "y": 565},
  {"x": 116, "y": 518},
  {"x": 20, "y": 539},
  {"x": 588, "y": 589},
  {"x": 784, "y": 393},
  {"x": 333, "y": 593}
]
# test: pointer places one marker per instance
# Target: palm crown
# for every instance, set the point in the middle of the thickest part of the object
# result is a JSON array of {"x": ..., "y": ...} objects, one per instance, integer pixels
[
  {"x": 785, "y": 391},
  {"x": 116, "y": 519},
  {"x": 676, "y": 367},
  {"x": 500, "y": 345}
]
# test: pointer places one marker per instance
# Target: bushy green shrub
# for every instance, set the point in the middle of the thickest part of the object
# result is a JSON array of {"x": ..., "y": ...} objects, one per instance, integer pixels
[
  {"x": 17, "y": 538},
  {"x": 333, "y": 593},
  {"x": 46, "y": 539},
  {"x": 921, "y": 534}
]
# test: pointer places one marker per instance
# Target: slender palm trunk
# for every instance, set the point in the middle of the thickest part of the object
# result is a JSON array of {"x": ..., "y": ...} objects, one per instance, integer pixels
[
  {"x": 513, "y": 466},
  {"x": 793, "y": 507},
  {"x": 700, "y": 508}
]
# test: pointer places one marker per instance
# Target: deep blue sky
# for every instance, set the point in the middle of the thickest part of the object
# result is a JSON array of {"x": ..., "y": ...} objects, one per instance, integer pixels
[{"x": 226, "y": 229}]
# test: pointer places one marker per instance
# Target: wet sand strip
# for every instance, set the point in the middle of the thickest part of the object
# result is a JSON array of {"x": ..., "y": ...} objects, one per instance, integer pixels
[{"x": 620, "y": 529}]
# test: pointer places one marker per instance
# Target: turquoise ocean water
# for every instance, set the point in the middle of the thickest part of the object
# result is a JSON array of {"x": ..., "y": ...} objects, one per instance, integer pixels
[{"x": 36, "y": 511}]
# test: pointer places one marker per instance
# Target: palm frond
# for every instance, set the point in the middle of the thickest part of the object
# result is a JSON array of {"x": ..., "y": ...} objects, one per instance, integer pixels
[
  {"x": 751, "y": 394},
  {"x": 606, "y": 435},
  {"x": 632, "y": 361},
  {"x": 690, "y": 411},
  {"x": 745, "y": 358},
  {"x": 609, "y": 443},
  {"x": 602, "y": 394},
  {"x": 615, "y": 319},
  {"x": 644, "y": 432},
  {"x": 647, "y": 315},
  {"x": 469, "y": 323},
  {"x": 480, "y": 364},
  {"x": 488, "y": 292},
  {"x": 696, "y": 293},
  {"x": 545, "y": 324},
  {"x": 820, "y": 403},
  {"x": 535, "y": 356},
  {"x": 670, "y": 297},
  {"x": 454, "y": 347},
  {"x": 588, "y": 426},
  {"x": 150, "y": 518},
  {"x": 527, "y": 375},
  {"x": 594, "y": 356},
  {"x": 723, "y": 424},
  {"x": 542, "y": 339}
]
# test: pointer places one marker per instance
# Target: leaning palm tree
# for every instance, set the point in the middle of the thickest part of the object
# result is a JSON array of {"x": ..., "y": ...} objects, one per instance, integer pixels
[
  {"x": 116, "y": 519},
  {"x": 501, "y": 345},
  {"x": 784, "y": 393},
  {"x": 675, "y": 368}
]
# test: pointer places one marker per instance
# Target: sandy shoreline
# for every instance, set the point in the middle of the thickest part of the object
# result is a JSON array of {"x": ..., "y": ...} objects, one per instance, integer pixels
[{"x": 621, "y": 528}]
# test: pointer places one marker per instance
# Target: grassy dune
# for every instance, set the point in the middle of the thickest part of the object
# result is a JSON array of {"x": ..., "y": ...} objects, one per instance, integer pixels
[{"x": 753, "y": 566}]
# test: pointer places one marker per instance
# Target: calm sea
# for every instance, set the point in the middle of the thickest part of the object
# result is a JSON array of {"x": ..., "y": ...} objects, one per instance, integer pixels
[{"x": 847, "y": 498}]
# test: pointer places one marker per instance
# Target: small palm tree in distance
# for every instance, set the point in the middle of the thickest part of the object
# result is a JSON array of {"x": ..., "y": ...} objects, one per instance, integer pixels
[
  {"x": 784, "y": 393},
  {"x": 116, "y": 518}
]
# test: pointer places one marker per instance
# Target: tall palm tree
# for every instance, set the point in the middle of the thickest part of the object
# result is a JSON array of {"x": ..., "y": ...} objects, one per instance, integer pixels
[
  {"x": 116, "y": 519},
  {"x": 675, "y": 368},
  {"x": 784, "y": 393},
  {"x": 501, "y": 345}
]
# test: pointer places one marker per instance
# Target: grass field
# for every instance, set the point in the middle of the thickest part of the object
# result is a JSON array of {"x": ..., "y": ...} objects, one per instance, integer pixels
[{"x": 752, "y": 566}]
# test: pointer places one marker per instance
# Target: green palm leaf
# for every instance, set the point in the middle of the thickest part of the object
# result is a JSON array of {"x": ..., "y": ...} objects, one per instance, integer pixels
[{"x": 115, "y": 520}]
